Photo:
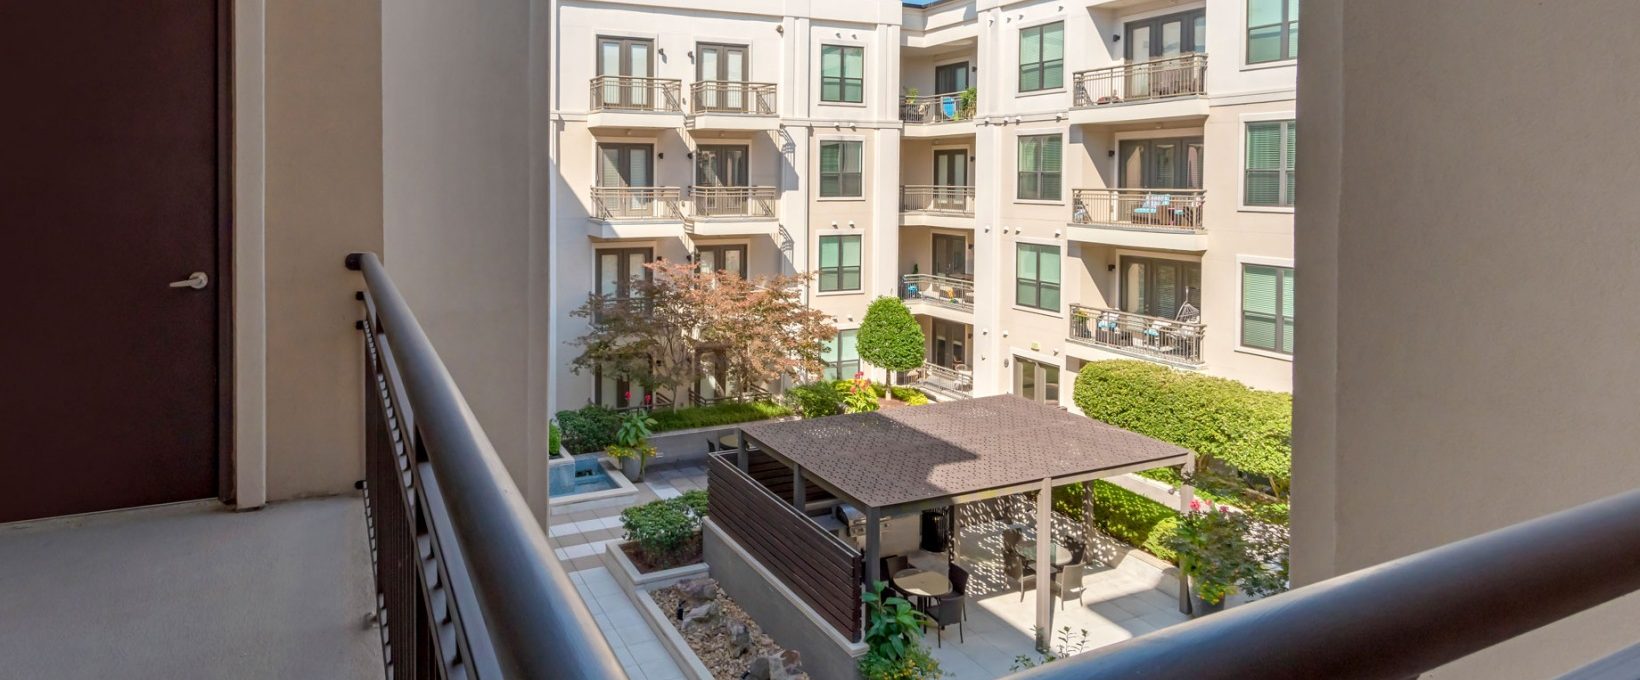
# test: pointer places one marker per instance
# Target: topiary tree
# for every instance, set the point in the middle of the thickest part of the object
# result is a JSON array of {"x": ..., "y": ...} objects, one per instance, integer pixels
[{"x": 890, "y": 338}]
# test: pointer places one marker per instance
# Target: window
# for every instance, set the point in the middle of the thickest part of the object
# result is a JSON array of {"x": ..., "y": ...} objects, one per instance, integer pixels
[
  {"x": 839, "y": 263},
  {"x": 842, "y": 74},
  {"x": 615, "y": 389},
  {"x": 1267, "y": 308},
  {"x": 1037, "y": 277},
  {"x": 625, "y": 65},
  {"x": 1040, "y": 157},
  {"x": 842, "y": 356},
  {"x": 840, "y": 165},
  {"x": 620, "y": 271},
  {"x": 1036, "y": 380},
  {"x": 1272, "y": 30},
  {"x": 1162, "y": 288},
  {"x": 722, "y": 258},
  {"x": 1042, "y": 57},
  {"x": 1166, "y": 37},
  {"x": 1270, "y": 177}
]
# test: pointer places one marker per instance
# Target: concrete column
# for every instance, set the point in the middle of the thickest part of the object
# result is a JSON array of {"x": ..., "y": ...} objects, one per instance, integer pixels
[
  {"x": 990, "y": 191},
  {"x": 1187, "y": 495}
]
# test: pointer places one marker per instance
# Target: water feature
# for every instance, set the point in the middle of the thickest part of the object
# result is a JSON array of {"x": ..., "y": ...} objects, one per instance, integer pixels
[{"x": 585, "y": 475}]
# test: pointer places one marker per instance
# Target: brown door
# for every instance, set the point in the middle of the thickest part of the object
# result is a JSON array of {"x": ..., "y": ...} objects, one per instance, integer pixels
[{"x": 108, "y": 194}]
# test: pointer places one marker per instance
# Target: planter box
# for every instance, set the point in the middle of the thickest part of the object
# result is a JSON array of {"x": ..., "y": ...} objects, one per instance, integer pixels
[{"x": 637, "y": 586}]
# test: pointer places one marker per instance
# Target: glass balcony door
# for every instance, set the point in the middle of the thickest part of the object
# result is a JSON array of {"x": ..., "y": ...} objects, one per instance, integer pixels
[
  {"x": 950, "y": 344},
  {"x": 1162, "y": 288},
  {"x": 633, "y": 60},
  {"x": 724, "y": 64},
  {"x": 950, "y": 170},
  {"x": 950, "y": 256},
  {"x": 1036, "y": 380}
]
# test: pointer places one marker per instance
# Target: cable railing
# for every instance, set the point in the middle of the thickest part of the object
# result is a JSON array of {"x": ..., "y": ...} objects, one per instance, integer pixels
[
  {"x": 938, "y": 108},
  {"x": 729, "y": 96},
  {"x": 638, "y": 203},
  {"x": 1402, "y": 618},
  {"x": 937, "y": 199},
  {"x": 466, "y": 583},
  {"x": 1179, "y": 76},
  {"x": 712, "y": 201},
  {"x": 1179, "y": 209},
  {"x": 634, "y": 93},
  {"x": 1166, "y": 340},
  {"x": 947, "y": 291}
]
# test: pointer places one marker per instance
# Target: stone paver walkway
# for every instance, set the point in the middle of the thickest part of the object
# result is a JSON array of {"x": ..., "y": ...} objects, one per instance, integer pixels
[{"x": 579, "y": 532}]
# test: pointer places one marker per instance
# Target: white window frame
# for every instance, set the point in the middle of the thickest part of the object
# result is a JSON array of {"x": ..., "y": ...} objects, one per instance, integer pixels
[
  {"x": 1241, "y": 160},
  {"x": 1263, "y": 261}
]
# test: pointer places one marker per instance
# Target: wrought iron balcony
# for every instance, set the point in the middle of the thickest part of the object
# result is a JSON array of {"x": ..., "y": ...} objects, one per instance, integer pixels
[
  {"x": 638, "y": 203},
  {"x": 937, "y": 108},
  {"x": 937, "y": 199},
  {"x": 633, "y": 93},
  {"x": 949, "y": 382},
  {"x": 1165, "y": 340},
  {"x": 945, "y": 291},
  {"x": 1162, "y": 209},
  {"x": 730, "y": 96},
  {"x": 1180, "y": 76},
  {"x": 730, "y": 202}
]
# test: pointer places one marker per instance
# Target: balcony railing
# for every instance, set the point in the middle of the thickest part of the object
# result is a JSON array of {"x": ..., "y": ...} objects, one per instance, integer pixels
[
  {"x": 956, "y": 382},
  {"x": 948, "y": 291},
  {"x": 696, "y": 398},
  {"x": 636, "y": 305},
  {"x": 728, "y": 96},
  {"x": 638, "y": 203},
  {"x": 1402, "y": 618},
  {"x": 1179, "y": 209},
  {"x": 937, "y": 200},
  {"x": 732, "y": 201},
  {"x": 1166, "y": 340},
  {"x": 937, "y": 108},
  {"x": 632, "y": 93},
  {"x": 1144, "y": 81},
  {"x": 466, "y": 584}
]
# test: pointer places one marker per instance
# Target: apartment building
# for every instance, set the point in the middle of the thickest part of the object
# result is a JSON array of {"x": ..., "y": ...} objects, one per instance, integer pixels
[{"x": 1045, "y": 183}]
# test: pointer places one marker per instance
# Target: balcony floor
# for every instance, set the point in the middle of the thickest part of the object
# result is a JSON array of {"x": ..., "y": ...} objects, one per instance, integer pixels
[{"x": 191, "y": 590}]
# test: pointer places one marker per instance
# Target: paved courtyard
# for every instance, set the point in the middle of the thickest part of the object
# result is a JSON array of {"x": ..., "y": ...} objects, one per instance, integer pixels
[{"x": 579, "y": 532}]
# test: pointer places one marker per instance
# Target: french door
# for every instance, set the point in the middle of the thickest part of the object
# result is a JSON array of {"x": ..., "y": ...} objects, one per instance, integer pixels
[
  {"x": 1036, "y": 380},
  {"x": 723, "y": 68},
  {"x": 629, "y": 63},
  {"x": 951, "y": 344},
  {"x": 1160, "y": 287},
  {"x": 722, "y": 258},
  {"x": 951, "y": 78},
  {"x": 951, "y": 179},
  {"x": 620, "y": 270},
  {"x": 950, "y": 255},
  {"x": 1174, "y": 163},
  {"x": 1162, "y": 39},
  {"x": 719, "y": 167},
  {"x": 627, "y": 166}
]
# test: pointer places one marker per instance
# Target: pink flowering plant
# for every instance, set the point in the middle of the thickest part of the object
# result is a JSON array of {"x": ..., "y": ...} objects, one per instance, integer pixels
[{"x": 861, "y": 397}]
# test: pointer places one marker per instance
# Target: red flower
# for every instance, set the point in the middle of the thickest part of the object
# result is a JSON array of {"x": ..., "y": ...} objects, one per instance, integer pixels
[{"x": 1195, "y": 504}]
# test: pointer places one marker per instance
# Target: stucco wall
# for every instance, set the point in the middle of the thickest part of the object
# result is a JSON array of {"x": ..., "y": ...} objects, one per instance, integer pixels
[
  {"x": 1455, "y": 394},
  {"x": 323, "y": 178}
]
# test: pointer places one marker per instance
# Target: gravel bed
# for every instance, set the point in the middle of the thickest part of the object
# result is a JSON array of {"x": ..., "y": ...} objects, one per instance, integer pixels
[{"x": 711, "y": 642}]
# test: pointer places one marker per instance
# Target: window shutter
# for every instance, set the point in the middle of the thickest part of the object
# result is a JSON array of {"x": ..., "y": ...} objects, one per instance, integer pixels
[{"x": 1263, "y": 179}]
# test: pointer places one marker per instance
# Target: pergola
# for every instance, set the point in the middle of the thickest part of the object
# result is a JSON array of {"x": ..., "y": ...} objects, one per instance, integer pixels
[{"x": 902, "y": 461}]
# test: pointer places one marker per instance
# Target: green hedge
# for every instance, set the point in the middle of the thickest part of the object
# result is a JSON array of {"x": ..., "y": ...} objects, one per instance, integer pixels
[
  {"x": 717, "y": 414},
  {"x": 589, "y": 428},
  {"x": 1221, "y": 420}
]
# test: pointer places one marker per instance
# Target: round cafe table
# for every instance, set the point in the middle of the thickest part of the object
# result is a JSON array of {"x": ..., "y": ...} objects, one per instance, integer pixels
[
  {"x": 1057, "y": 554},
  {"x": 922, "y": 583}
]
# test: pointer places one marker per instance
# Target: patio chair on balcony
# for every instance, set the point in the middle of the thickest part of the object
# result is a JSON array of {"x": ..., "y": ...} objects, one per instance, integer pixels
[{"x": 1154, "y": 209}]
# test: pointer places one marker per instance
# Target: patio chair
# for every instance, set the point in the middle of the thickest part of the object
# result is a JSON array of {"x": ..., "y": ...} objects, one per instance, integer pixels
[
  {"x": 1010, "y": 540},
  {"x": 947, "y": 612},
  {"x": 1018, "y": 574},
  {"x": 959, "y": 586},
  {"x": 1070, "y": 581},
  {"x": 711, "y": 445}
]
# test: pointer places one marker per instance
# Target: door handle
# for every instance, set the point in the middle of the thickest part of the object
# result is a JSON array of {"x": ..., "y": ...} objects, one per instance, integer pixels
[{"x": 196, "y": 281}]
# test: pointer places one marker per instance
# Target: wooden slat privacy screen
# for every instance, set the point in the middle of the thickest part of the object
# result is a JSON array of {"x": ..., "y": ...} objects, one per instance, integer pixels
[{"x": 820, "y": 568}]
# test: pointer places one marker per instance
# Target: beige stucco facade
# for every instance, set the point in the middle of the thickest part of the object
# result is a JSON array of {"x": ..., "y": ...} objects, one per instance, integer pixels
[
  {"x": 902, "y": 50},
  {"x": 1437, "y": 396}
]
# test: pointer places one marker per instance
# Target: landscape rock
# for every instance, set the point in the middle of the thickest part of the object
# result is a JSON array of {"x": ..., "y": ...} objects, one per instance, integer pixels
[
  {"x": 698, "y": 591},
  {"x": 740, "y": 638},
  {"x": 712, "y": 643},
  {"x": 759, "y": 669},
  {"x": 701, "y": 615},
  {"x": 783, "y": 666}
]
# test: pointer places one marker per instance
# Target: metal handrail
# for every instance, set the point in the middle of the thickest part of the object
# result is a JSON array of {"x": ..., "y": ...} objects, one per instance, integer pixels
[
  {"x": 638, "y": 203},
  {"x": 1167, "y": 340},
  {"x": 636, "y": 93},
  {"x": 1401, "y": 618},
  {"x": 498, "y": 592},
  {"x": 713, "y": 201},
  {"x": 732, "y": 96},
  {"x": 937, "y": 199},
  {"x": 936, "y": 108},
  {"x": 942, "y": 290},
  {"x": 1180, "y": 76},
  {"x": 1180, "y": 209}
]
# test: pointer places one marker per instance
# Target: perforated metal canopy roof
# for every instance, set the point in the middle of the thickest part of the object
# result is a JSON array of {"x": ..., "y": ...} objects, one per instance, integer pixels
[{"x": 908, "y": 456}]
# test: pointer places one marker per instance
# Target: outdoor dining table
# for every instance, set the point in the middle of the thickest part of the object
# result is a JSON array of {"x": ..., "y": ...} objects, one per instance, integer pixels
[
  {"x": 1057, "y": 554},
  {"x": 922, "y": 583},
  {"x": 729, "y": 442}
]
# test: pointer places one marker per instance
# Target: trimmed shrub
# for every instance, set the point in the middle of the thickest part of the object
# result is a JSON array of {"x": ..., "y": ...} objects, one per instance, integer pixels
[
  {"x": 890, "y": 337},
  {"x": 1124, "y": 515},
  {"x": 817, "y": 399},
  {"x": 665, "y": 528},
  {"x": 1220, "y": 420},
  {"x": 555, "y": 440},
  {"x": 717, "y": 414},
  {"x": 589, "y": 428}
]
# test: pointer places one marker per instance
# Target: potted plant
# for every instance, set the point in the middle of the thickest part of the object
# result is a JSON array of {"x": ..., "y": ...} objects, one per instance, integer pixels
[
  {"x": 911, "y": 95},
  {"x": 893, "y": 637},
  {"x": 632, "y": 446},
  {"x": 967, "y": 100},
  {"x": 1214, "y": 554}
]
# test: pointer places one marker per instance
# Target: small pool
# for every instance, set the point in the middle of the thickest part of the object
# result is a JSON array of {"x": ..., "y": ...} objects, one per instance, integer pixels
[{"x": 585, "y": 476}]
